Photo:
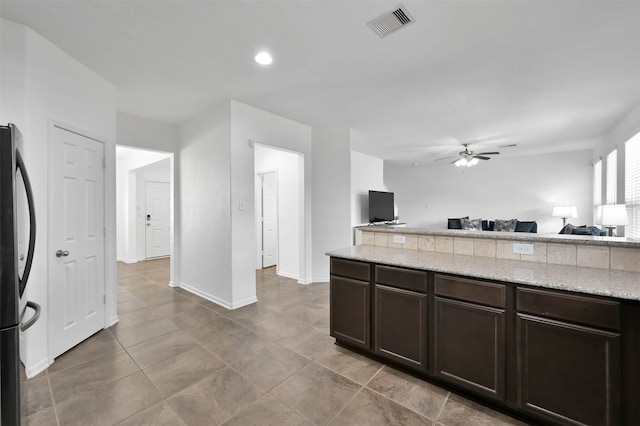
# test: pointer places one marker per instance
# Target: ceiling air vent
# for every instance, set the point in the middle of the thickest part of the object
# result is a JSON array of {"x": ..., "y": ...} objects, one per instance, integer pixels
[{"x": 392, "y": 21}]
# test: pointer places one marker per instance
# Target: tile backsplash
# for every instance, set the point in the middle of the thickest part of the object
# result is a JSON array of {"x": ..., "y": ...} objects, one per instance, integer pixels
[{"x": 591, "y": 256}]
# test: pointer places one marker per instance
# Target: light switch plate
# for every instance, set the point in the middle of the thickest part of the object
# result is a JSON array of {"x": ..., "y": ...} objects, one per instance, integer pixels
[
  {"x": 399, "y": 239},
  {"x": 523, "y": 249}
]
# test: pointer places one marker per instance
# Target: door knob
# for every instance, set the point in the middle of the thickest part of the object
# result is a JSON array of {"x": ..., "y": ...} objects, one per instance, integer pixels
[{"x": 62, "y": 253}]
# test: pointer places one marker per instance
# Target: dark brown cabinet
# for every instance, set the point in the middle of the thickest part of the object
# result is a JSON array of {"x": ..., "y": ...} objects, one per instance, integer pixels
[
  {"x": 400, "y": 312},
  {"x": 350, "y": 310},
  {"x": 469, "y": 334},
  {"x": 400, "y": 326},
  {"x": 469, "y": 346},
  {"x": 569, "y": 372}
]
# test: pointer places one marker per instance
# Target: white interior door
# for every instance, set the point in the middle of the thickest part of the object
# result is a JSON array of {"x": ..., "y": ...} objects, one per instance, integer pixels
[
  {"x": 269, "y": 219},
  {"x": 77, "y": 274},
  {"x": 157, "y": 219}
]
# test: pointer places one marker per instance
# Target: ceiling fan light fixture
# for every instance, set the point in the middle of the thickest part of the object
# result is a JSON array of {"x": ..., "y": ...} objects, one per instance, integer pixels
[{"x": 466, "y": 162}]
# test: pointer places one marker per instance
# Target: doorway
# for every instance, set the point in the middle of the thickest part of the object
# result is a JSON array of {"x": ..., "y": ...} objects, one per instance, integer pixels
[
  {"x": 144, "y": 190},
  {"x": 283, "y": 172}
]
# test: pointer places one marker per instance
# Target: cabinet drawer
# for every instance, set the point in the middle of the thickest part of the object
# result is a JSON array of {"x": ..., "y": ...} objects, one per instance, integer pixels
[
  {"x": 350, "y": 269},
  {"x": 402, "y": 278},
  {"x": 485, "y": 293},
  {"x": 569, "y": 307}
]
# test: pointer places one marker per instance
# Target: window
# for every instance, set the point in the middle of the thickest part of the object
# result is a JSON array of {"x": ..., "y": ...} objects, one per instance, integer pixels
[
  {"x": 632, "y": 185},
  {"x": 597, "y": 183},
  {"x": 612, "y": 178}
]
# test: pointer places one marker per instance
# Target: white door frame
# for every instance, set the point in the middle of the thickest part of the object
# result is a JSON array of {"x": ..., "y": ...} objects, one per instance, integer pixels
[{"x": 51, "y": 246}]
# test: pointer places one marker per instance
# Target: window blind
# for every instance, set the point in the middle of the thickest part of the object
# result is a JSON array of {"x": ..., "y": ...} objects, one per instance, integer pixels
[
  {"x": 597, "y": 183},
  {"x": 612, "y": 177},
  {"x": 632, "y": 185}
]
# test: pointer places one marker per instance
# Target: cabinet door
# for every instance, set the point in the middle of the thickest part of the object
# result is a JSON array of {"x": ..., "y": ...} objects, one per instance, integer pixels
[
  {"x": 568, "y": 373},
  {"x": 350, "y": 320},
  {"x": 401, "y": 326},
  {"x": 470, "y": 346}
]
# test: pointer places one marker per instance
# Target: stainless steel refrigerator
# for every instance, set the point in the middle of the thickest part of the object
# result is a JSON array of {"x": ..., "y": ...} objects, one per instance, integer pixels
[{"x": 17, "y": 242}]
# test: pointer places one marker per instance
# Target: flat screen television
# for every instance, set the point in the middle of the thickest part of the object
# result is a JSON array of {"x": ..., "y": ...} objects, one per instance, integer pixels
[{"x": 381, "y": 208}]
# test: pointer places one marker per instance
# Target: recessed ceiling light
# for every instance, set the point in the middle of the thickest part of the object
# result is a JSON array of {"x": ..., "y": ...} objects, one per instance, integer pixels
[{"x": 263, "y": 58}]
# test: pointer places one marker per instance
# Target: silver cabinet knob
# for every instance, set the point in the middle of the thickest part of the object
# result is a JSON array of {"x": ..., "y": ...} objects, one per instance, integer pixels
[{"x": 62, "y": 253}]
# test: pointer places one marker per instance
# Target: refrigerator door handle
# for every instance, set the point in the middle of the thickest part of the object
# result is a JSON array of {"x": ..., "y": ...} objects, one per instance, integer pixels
[
  {"x": 24, "y": 326},
  {"x": 32, "y": 222}
]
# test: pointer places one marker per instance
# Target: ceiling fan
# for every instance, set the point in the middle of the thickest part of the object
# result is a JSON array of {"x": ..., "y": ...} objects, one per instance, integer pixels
[{"x": 469, "y": 158}]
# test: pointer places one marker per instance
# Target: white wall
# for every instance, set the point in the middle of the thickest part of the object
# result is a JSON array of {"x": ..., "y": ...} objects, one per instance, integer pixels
[
  {"x": 41, "y": 83},
  {"x": 145, "y": 133},
  {"x": 524, "y": 188},
  {"x": 216, "y": 176},
  {"x": 265, "y": 128},
  {"x": 367, "y": 173},
  {"x": 127, "y": 161},
  {"x": 331, "y": 195},
  {"x": 289, "y": 177},
  {"x": 204, "y": 214}
]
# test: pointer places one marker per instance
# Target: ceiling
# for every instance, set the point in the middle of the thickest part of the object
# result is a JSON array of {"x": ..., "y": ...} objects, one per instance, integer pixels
[{"x": 548, "y": 76}]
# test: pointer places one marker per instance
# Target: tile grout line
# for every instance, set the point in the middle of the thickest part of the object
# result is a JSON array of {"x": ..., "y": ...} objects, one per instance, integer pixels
[
  {"x": 53, "y": 402},
  {"x": 398, "y": 402},
  {"x": 444, "y": 404},
  {"x": 347, "y": 404}
]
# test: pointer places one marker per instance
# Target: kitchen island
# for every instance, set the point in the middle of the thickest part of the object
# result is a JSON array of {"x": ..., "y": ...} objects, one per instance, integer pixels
[{"x": 555, "y": 343}]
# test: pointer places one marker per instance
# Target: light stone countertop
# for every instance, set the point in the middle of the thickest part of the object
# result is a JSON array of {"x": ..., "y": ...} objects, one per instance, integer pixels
[
  {"x": 602, "y": 282},
  {"x": 521, "y": 236}
]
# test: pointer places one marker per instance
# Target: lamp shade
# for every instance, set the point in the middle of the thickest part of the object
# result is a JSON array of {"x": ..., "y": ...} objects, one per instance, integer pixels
[
  {"x": 564, "y": 211},
  {"x": 614, "y": 214}
]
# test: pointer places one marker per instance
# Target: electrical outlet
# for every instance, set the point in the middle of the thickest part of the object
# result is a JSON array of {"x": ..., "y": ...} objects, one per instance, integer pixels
[
  {"x": 399, "y": 239},
  {"x": 523, "y": 248}
]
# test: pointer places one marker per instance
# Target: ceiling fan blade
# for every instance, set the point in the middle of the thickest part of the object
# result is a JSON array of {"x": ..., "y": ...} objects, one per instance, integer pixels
[
  {"x": 445, "y": 158},
  {"x": 455, "y": 161},
  {"x": 487, "y": 153},
  {"x": 480, "y": 157}
]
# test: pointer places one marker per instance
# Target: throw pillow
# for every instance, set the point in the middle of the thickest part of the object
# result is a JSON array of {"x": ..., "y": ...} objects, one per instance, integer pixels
[
  {"x": 505, "y": 225},
  {"x": 567, "y": 229},
  {"x": 474, "y": 224}
]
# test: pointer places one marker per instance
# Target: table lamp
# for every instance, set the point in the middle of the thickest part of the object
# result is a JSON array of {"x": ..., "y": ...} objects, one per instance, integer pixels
[
  {"x": 564, "y": 212},
  {"x": 613, "y": 215}
]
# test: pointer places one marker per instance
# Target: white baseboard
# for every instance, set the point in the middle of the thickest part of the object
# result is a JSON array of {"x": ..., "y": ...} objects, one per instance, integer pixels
[
  {"x": 173, "y": 284},
  {"x": 217, "y": 300},
  {"x": 37, "y": 368},
  {"x": 128, "y": 261},
  {"x": 304, "y": 282},
  {"x": 288, "y": 275},
  {"x": 112, "y": 321},
  {"x": 245, "y": 302},
  {"x": 320, "y": 280}
]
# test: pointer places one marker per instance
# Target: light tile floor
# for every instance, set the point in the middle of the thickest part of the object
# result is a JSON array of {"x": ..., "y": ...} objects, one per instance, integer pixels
[{"x": 177, "y": 359}]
